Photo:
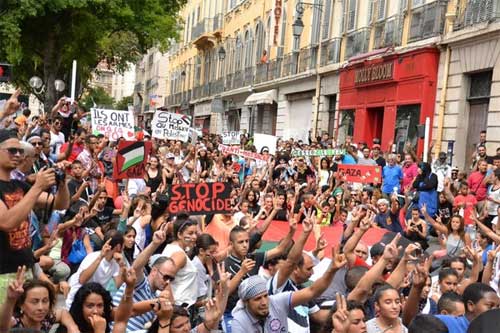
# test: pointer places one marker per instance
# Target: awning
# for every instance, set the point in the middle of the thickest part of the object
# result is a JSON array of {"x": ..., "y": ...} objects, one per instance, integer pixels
[{"x": 265, "y": 97}]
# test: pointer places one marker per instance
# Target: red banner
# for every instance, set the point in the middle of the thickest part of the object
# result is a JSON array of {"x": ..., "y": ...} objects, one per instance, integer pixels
[
  {"x": 365, "y": 174},
  {"x": 131, "y": 159},
  {"x": 200, "y": 199}
]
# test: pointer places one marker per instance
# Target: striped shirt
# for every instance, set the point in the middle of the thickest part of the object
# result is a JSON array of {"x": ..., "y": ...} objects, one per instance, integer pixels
[{"x": 142, "y": 292}]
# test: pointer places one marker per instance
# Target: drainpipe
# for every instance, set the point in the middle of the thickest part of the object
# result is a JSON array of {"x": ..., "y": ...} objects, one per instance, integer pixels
[
  {"x": 450, "y": 17},
  {"x": 318, "y": 76}
]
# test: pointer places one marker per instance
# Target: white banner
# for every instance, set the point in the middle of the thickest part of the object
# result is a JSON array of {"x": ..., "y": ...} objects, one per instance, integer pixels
[
  {"x": 265, "y": 140},
  {"x": 170, "y": 126},
  {"x": 231, "y": 138},
  {"x": 113, "y": 124}
]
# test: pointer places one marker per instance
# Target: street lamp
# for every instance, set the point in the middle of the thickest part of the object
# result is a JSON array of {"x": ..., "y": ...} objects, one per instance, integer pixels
[
  {"x": 38, "y": 86},
  {"x": 297, "y": 27},
  {"x": 222, "y": 53}
]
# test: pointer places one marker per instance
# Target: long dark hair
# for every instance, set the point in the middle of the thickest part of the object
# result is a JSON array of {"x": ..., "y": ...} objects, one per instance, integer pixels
[{"x": 81, "y": 295}]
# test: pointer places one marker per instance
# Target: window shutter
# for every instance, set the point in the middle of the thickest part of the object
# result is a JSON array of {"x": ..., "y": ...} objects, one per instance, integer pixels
[
  {"x": 416, "y": 24},
  {"x": 389, "y": 33},
  {"x": 326, "y": 19},
  {"x": 381, "y": 10},
  {"x": 371, "y": 10},
  {"x": 351, "y": 18},
  {"x": 429, "y": 20},
  {"x": 379, "y": 36}
]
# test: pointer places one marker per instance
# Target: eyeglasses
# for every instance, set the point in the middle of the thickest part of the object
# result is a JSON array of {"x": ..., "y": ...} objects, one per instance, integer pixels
[
  {"x": 14, "y": 151},
  {"x": 166, "y": 277},
  {"x": 39, "y": 143}
]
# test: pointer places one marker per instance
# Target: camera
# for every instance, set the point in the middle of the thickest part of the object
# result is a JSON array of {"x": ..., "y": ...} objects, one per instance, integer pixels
[{"x": 60, "y": 175}]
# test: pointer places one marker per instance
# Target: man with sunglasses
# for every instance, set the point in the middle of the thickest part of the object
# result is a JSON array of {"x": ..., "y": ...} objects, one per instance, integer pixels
[
  {"x": 17, "y": 199},
  {"x": 162, "y": 273},
  {"x": 57, "y": 138}
]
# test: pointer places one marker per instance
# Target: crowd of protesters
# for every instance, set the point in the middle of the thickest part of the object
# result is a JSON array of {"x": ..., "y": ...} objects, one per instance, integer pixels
[{"x": 83, "y": 252}]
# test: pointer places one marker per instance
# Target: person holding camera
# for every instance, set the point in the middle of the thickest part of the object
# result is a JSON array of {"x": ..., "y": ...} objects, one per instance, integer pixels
[{"x": 17, "y": 199}]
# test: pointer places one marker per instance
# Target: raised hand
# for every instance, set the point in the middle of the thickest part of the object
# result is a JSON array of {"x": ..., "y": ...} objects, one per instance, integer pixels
[
  {"x": 309, "y": 222},
  {"x": 340, "y": 318},
  {"x": 129, "y": 276},
  {"x": 321, "y": 243},
  {"x": 106, "y": 249},
  {"x": 391, "y": 250},
  {"x": 338, "y": 259},
  {"x": 15, "y": 289},
  {"x": 12, "y": 104},
  {"x": 160, "y": 235}
]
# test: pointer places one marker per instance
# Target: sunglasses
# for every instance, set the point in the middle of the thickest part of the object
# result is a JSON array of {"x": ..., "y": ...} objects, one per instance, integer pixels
[
  {"x": 166, "y": 277},
  {"x": 37, "y": 144},
  {"x": 14, "y": 151}
]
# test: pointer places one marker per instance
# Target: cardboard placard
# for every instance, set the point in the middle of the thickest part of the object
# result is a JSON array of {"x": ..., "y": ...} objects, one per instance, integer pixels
[
  {"x": 317, "y": 152},
  {"x": 131, "y": 159},
  {"x": 360, "y": 173},
  {"x": 200, "y": 199},
  {"x": 231, "y": 137},
  {"x": 113, "y": 124},
  {"x": 241, "y": 152},
  {"x": 170, "y": 126},
  {"x": 265, "y": 140}
]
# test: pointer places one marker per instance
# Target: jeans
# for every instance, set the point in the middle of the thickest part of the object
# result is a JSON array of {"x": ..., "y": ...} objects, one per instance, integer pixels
[{"x": 226, "y": 322}]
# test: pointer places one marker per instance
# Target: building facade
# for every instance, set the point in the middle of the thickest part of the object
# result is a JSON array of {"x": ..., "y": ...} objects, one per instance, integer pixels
[
  {"x": 363, "y": 68},
  {"x": 151, "y": 85},
  {"x": 123, "y": 83}
]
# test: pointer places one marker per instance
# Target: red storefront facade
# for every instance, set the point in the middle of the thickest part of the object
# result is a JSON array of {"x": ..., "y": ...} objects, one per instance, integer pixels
[{"x": 387, "y": 97}]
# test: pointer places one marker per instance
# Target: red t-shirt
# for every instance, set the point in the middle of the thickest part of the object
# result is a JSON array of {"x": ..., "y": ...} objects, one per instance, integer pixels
[
  {"x": 75, "y": 151},
  {"x": 469, "y": 201},
  {"x": 476, "y": 185}
]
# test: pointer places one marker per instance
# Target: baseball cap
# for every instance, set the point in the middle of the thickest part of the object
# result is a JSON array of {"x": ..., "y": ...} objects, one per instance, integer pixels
[{"x": 170, "y": 155}]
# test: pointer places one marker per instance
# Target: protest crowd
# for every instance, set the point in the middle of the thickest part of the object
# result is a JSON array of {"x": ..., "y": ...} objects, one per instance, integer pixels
[{"x": 163, "y": 230}]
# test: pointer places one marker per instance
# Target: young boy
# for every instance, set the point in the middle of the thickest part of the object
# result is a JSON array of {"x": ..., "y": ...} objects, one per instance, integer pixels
[{"x": 79, "y": 189}]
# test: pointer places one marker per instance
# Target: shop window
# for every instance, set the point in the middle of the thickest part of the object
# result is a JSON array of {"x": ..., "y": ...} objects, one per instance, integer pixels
[
  {"x": 346, "y": 127},
  {"x": 407, "y": 119}
]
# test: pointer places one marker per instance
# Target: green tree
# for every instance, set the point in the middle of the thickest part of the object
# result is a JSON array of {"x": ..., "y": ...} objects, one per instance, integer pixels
[
  {"x": 42, "y": 37},
  {"x": 124, "y": 103},
  {"x": 97, "y": 97}
]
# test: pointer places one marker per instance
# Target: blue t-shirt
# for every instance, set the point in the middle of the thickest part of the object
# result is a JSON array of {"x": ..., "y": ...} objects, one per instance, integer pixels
[
  {"x": 392, "y": 176},
  {"x": 455, "y": 324},
  {"x": 348, "y": 159}
]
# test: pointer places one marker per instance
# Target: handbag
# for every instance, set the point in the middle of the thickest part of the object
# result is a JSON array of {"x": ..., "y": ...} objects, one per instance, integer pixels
[{"x": 78, "y": 252}]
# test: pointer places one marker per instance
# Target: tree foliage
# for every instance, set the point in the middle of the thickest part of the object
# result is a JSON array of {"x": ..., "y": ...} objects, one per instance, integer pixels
[
  {"x": 97, "y": 97},
  {"x": 124, "y": 103},
  {"x": 42, "y": 37}
]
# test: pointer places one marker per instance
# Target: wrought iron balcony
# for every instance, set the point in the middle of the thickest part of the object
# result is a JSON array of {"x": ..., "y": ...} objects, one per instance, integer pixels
[
  {"x": 428, "y": 20},
  {"x": 261, "y": 72},
  {"x": 330, "y": 51},
  {"x": 307, "y": 58},
  {"x": 289, "y": 64},
  {"x": 357, "y": 42},
  {"x": 248, "y": 76},
  {"x": 388, "y": 32},
  {"x": 477, "y": 11}
]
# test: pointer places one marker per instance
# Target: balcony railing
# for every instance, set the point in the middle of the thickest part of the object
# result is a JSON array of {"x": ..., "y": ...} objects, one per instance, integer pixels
[
  {"x": 207, "y": 25},
  {"x": 289, "y": 64},
  {"x": 248, "y": 76},
  {"x": 477, "y": 11},
  {"x": 388, "y": 32},
  {"x": 307, "y": 58},
  {"x": 357, "y": 42},
  {"x": 330, "y": 51},
  {"x": 237, "y": 79},
  {"x": 274, "y": 69},
  {"x": 428, "y": 20}
]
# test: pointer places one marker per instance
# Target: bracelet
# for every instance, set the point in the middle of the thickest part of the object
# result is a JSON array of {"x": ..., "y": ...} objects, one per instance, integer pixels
[{"x": 164, "y": 326}]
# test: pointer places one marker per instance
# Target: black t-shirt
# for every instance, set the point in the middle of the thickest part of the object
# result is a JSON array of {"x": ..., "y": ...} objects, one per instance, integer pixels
[
  {"x": 74, "y": 185},
  {"x": 380, "y": 161},
  {"x": 233, "y": 265},
  {"x": 103, "y": 217},
  {"x": 15, "y": 245},
  {"x": 445, "y": 210}
]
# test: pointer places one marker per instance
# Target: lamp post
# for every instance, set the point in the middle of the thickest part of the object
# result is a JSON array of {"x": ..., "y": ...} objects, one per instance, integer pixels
[
  {"x": 297, "y": 28},
  {"x": 36, "y": 83}
]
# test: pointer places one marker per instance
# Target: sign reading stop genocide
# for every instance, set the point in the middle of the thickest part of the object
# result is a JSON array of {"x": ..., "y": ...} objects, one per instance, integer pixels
[{"x": 200, "y": 199}]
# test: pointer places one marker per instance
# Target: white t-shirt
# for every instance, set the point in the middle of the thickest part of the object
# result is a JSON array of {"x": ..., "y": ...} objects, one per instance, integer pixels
[
  {"x": 56, "y": 141},
  {"x": 185, "y": 285},
  {"x": 140, "y": 238},
  {"x": 103, "y": 274}
]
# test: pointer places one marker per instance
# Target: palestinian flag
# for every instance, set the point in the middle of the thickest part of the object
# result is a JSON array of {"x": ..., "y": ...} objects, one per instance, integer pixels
[
  {"x": 131, "y": 159},
  {"x": 132, "y": 154}
]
